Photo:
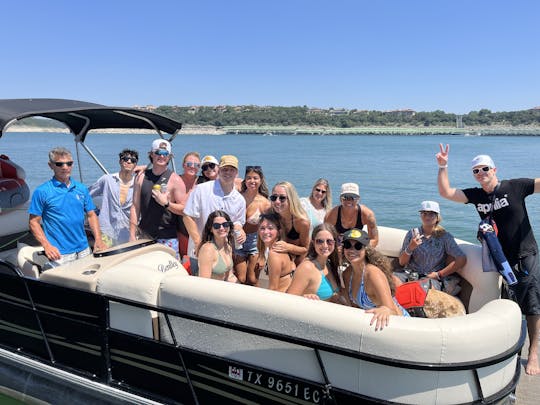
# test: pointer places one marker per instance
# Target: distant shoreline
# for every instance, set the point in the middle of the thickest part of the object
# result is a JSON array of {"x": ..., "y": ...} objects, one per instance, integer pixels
[{"x": 320, "y": 131}]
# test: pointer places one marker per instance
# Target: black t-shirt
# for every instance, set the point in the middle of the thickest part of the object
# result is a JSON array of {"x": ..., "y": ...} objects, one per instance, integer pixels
[{"x": 510, "y": 215}]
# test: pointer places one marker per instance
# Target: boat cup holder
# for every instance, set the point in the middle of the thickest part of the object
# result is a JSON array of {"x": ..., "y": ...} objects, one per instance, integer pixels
[{"x": 90, "y": 270}]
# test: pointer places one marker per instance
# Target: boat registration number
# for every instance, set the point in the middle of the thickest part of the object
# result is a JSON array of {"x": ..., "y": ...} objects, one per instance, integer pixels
[{"x": 300, "y": 390}]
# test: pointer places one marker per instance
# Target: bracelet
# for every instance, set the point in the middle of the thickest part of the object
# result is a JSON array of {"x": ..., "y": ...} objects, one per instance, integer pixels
[
  {"x": 167, "y": 205},
  {"x": 443, "y": 166},
  {"x": 407, "y": 252},
  {"x": 438, "y": 275}
]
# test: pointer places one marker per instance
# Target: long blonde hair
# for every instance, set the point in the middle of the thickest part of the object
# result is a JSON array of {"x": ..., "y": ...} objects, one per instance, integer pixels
[
  {"x": 327, "y": 200},
  {"x": 295, "y": 206}
]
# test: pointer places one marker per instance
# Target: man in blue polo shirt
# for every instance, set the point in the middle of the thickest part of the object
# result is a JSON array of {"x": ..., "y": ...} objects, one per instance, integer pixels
[{"x": 57, "y": 213}]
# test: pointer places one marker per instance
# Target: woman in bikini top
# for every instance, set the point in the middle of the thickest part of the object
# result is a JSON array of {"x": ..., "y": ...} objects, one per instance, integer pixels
[
  {"x": 255, "y": 192},
  {"x": 368, "y": 279},
  {"x": 294, "y": 222},
  {"x": 277, "y": 265},
  {"x": 215, "y": 251},
  {"x": 318, "y": 277}
]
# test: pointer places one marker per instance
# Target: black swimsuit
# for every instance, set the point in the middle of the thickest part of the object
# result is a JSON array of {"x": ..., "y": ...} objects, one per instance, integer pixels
[
  {"x": 340, "y": 229},
  {"x": 292, "y": 234}
]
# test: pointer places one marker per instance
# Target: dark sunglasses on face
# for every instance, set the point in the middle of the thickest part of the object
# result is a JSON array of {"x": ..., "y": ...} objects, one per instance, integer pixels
[
  {"x": 274, "y": 197},
  {"x": 208, "y": 166},
  {"x": 225, "y": 225},
  {"x": 348, "y": 244},
  {"x": 348, "y": 198},
  {"x": 485, "y": 169},
  {"x": 128, "y": 159},
  {"x": 60, "y": 164},
  {"x": 320, "y": 190},
  {"x": 193, "y": 164},
  {"x": 329, "y": 242},
  {"x": 161, "y": 152}
]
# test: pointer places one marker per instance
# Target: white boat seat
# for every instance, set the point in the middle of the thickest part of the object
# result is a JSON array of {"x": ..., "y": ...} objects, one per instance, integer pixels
[
  {"x": 475, "y": 337},
  {"x": 29, "y": 261},
  {"x": 138, "y": 279}
]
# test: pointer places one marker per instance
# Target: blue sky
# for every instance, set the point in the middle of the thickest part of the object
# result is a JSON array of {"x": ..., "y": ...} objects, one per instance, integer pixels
[{"x": 457, "y": 56}]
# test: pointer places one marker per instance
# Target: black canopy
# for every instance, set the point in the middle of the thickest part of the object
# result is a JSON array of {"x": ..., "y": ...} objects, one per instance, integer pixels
[{"x": 80, "y": 117}]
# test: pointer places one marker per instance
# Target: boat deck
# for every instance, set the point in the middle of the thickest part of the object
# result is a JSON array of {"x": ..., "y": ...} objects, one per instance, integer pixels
[{"x": 528, "y": 390}]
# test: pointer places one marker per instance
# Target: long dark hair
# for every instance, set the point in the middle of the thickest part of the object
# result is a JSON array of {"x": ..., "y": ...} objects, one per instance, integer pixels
[
  {"x": 275, "y": 219},
  {"x": 263, "y": 187},
  {"x": 208, "y": 236},
  {"x": 333, "y": 259}
]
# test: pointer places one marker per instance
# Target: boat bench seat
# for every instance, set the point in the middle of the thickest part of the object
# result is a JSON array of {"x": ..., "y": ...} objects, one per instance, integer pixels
[
  {"x": 482, "y": 287},
  {"x": 134, "y": 275},
  {"x": 435, "y": 341},
  {"x": 138, "y": 279}
]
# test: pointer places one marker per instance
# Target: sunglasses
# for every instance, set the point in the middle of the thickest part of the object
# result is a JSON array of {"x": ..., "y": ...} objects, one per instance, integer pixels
[
  {"x": 161, "y": 152},
  {"x": 320, "y": 191},
  {"x": 128, "y": 159},
  {"x": 193, "y": 164},
  {"x": 329, "y": 242},
  {"x": 208, "y": 166},
  {"x": 348, "y": 198},
  {"x": 348, "y": 244},
  {"x": 274, "y": 197},
  {"x": 60, "y": 164},
  {"x": 249, "y": 168},
  {"x": 225, "y": 225},
  {"x": 484, "y": 169}
]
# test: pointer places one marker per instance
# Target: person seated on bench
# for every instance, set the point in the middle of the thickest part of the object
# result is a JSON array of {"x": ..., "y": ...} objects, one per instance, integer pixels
[
  {"x": 215, "y": 251},
  {"x": 368, "y": 279},
  {"x": 430, "y": 251},
  {"x": 317, "y": 277},
  {"x": 273, "y": 258}
]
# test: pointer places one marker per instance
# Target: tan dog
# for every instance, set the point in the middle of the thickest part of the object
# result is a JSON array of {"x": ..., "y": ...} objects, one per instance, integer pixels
[{"x": 439, "y": 304}]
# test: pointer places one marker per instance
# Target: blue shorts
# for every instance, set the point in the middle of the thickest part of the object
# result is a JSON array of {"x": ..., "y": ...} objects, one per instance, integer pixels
[
  {"x": 172, "y": 243},
  {"x": 250, "y": 246}
]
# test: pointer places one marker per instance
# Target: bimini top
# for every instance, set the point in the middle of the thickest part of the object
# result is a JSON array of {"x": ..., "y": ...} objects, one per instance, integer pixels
[{"x": 80, "y": 117}]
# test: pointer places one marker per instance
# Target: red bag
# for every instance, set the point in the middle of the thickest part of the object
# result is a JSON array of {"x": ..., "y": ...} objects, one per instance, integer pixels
[{"x": 412, "y": 296}]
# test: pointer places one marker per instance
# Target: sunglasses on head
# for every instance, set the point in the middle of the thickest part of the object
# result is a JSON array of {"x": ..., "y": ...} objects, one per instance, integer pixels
[
  {"x": 320, "y": 190},
  {"x": 161, "y": 152},
  {"x": 282, "y": 198},
  {"x": 207, "y": 166},
  {"x": 60, "y": 164},
  {"x": 329, "y": 242},
  {"x": 193, "y": 164},
  {"x": 348, "y": 244},
  {"x": 485, "y": 169},
  {"x": 249, "y": 168},
  {"x": 216, "y": 226},
  {"x": 128, "y": 159}
]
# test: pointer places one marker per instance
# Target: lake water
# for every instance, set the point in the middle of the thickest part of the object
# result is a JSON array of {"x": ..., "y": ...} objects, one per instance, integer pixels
[{"x": 395, "y": 173}]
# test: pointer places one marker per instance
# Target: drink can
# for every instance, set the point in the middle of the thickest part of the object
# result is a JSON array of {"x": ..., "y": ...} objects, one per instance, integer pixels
[{"x": 237, "y": 233}]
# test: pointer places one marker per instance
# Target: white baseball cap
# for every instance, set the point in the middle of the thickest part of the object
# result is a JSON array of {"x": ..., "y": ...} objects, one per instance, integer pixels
[
  {"x": 483, "y": 160},
  {"x": 351, "y": 189},
  {"x": 432, "y": 206},
  {"x": 161, "y": 144}
]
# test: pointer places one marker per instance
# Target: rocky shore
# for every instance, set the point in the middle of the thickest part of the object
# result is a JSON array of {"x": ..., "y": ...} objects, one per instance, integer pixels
[{"x": 304, "y": 130}]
